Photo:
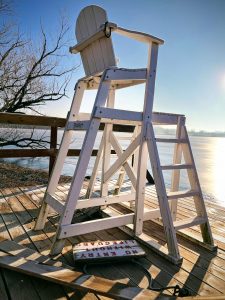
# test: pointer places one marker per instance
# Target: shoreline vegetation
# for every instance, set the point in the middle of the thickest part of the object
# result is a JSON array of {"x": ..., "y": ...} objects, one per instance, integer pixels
[{"x": 12, "y": 176}]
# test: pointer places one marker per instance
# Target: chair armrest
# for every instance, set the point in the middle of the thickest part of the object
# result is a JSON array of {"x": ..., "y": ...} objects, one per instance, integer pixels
[
  {"x": 83, "y": 44},
  {"x": 139, "y": 36},
  {"x": 136, "y": 35}
]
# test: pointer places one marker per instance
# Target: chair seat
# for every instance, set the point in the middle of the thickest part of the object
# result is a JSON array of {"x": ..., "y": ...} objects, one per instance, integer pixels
[{"x": 128, "y": 77}]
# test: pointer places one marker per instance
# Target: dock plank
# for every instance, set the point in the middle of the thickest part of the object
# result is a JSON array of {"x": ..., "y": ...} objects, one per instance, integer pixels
[
  {"x": 32, "y": 201},
  {"x": 3, "y": 287},
  {"x": 49, "y": 230},
  {"x": 20, "y": 286},
  {"x": 197, "y": 273},
  {"x": 16, "y": 232},
  {"x": 10, "y": 229},
  {"x": 74, "y": 279}
]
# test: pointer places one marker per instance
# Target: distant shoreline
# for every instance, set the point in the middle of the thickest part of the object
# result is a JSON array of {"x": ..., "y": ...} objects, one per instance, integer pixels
[
  {"x": 206, "y": 134},
  {"x": 12, "y": 176}
]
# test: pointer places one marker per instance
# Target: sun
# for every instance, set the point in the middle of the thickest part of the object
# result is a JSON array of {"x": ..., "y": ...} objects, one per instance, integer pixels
[{"x": 223, "y": 81}]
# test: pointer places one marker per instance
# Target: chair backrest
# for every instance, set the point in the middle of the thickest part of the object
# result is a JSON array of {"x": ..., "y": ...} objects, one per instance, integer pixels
[{"x": 100, "y": 54}]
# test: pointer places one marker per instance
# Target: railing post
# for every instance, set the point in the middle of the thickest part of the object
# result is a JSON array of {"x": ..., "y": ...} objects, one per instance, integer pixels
[{"x": 53, "y": 146}]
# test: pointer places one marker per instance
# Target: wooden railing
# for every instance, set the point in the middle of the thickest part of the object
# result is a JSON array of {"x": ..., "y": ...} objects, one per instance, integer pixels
[{"x": 51, "y": 123}]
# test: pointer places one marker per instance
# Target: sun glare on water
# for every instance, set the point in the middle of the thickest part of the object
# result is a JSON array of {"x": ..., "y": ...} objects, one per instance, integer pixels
[
  {"x": 223, "y": 82},
  {"x": 219, "y": 168}
]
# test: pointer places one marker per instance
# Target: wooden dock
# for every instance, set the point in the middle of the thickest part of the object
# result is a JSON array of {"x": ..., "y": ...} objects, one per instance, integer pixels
[{"x": 202, "y": 272}]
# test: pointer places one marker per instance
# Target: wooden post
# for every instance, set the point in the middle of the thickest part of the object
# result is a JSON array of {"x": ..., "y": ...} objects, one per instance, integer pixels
[{"x": 53, "y": 145}]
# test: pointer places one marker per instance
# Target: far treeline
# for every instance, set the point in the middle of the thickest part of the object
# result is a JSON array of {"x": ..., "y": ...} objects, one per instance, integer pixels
[{"x": 171, "y": 131}]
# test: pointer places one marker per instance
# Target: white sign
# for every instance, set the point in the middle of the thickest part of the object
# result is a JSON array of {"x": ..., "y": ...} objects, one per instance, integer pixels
[{"x": 107, "y": 249}]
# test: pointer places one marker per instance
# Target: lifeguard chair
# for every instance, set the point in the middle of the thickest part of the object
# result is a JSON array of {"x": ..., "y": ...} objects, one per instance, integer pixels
[{"x": 93, "y": 33}]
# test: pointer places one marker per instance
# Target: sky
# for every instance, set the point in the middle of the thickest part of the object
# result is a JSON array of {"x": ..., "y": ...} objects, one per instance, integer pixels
[{"x": 191, "y": 64}]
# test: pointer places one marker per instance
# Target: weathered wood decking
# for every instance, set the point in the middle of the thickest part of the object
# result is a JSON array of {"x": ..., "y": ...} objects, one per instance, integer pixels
[{"x": 202, "y": 272}]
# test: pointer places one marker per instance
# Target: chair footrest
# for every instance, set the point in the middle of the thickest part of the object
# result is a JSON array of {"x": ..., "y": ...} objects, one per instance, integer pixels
[{"x": 186, "y": 223}]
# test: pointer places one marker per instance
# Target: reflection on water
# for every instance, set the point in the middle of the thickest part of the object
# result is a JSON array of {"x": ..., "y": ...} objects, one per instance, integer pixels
[
  {"x": 215, "y": 184},
  {"x": 209, "y": 157}
]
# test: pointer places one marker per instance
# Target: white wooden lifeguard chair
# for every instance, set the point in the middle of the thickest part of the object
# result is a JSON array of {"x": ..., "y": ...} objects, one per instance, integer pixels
[{"x": 93, "y": 33}]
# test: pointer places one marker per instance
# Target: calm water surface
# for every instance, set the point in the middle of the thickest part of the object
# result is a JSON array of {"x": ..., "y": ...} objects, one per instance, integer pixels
[{"x": 209, "y": 154}]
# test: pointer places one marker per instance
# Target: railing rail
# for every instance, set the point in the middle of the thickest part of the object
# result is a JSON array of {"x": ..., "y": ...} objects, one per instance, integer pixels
[
  {"x": 21, "y": 119},
  {"x": 53, "y": 123}
]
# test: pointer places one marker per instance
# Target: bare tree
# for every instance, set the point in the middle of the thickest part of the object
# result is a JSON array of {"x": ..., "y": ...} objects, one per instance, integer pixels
[{"x": 30, "y": 77}]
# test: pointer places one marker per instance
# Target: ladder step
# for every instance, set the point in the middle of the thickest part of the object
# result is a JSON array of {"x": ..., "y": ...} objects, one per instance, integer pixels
[
  {"x": 177, "y": 166},
  {"x": 182, "y": 194},
  {"x": 178, "y": 141},
  {"x": 186, "y": 223}
]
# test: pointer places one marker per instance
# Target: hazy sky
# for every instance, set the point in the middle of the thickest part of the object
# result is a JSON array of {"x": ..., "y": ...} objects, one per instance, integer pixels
[{"x": 191, "y": 64}]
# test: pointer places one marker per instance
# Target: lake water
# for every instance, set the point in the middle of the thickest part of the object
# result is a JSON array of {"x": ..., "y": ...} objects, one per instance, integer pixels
[{"x": 209, "y": 154}]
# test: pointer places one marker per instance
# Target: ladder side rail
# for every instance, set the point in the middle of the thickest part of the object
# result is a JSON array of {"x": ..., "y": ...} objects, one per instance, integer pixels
[
  {"x": 195, "y": 185},
  {"x": 107, "y": 145},
  {"x": 177, "y": 157},
  {"x": 81, "y": 167},
  {"x": 148, "y": 145},
  {"x": 192, "y": 173},
  {"x": 167, "y": 221},
  {"x": 62, "y": 154}
]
